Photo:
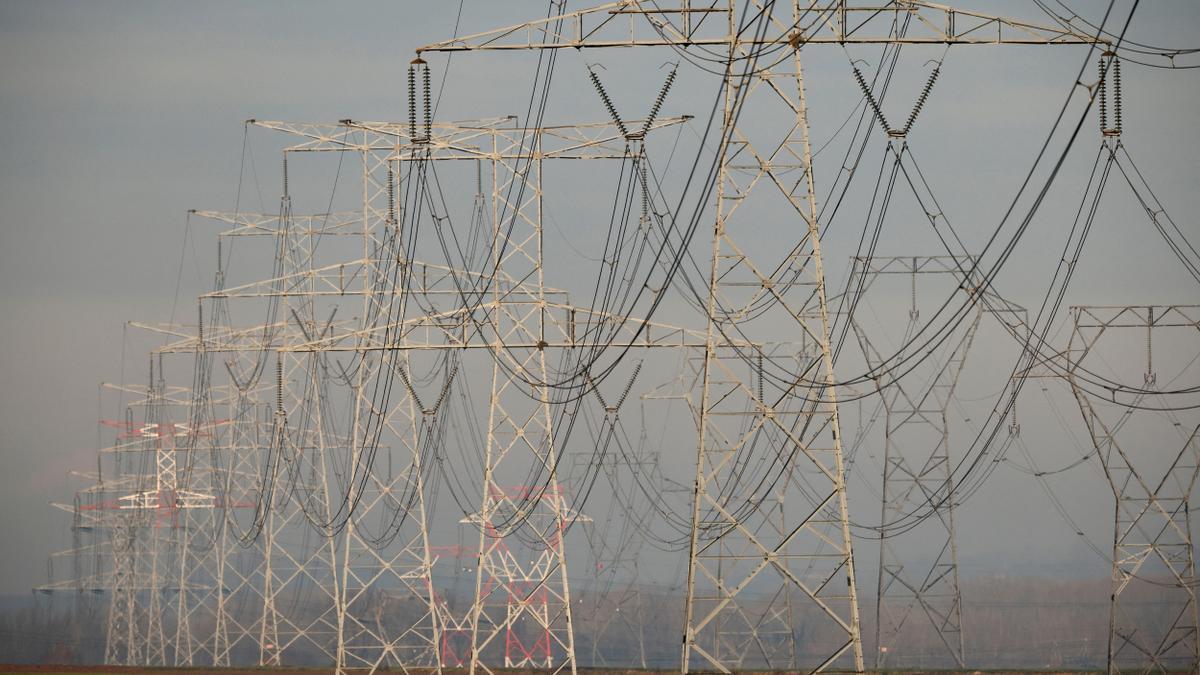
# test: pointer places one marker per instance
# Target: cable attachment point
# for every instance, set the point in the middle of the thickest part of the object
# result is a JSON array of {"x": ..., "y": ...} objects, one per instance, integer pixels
[
  {"x": 917, "y": 107},
  {"x": 1109, "y": 63},
  {"x": 419, "y": 134},
  {"x": 662, "y": 95},
  {"x": 391, "y": 194},
  {"x": 279, "y": 384},
  {"x": 608, "y": 104},
  {"x": 862, "y": 84},
  {"x": 914, "y": 313},
  {"x": 1150, "y": 378},
  {"x": 912, "y": 117},
  {"x": 644, "y": 221}
]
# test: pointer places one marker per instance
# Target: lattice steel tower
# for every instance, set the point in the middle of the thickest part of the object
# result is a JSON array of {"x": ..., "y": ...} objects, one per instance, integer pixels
[
  {"x": 916, "y": 466},
  {"x": 1152, "y": 549}
]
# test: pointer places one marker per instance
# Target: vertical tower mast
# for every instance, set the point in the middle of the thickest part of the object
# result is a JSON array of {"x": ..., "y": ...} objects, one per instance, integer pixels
[
  {"x": 369, "y": 566},
  {"x": 300, "y": 452},
  {"x": 736, "y": 543},
  {"x": 510, "y": 593}
]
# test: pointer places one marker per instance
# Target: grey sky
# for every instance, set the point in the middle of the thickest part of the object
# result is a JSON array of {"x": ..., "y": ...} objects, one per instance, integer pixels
[{"x": 117, "y": 117}]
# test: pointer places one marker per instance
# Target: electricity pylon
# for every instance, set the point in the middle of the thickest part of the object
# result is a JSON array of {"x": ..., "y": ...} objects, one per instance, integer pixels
[
  {"x": 1152, "y": 486},
  {"x": 375, "y": 568},
  {"x": 268, "y": 552},
  {"x": 110, "y": 541},
  {"x": 517, "y": 320},
  {"x": 126, "y": 627},
  {"x": 282, "y": 470},
  {"x": 615, "y": 610},
  {"x": 90, "y": 556},
  {"x": 241, "y": 553},
  {"x": 357, "y": 572},
  {"x": 520, "y": 429},
  {"x": 297, "y": 488},
  {"x": 163, "y": 560},
  {"x": 917, "y": 465},
  {"x": 764, "y": 296}
]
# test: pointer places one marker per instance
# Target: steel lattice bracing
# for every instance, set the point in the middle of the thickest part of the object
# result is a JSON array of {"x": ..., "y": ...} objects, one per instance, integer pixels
[
  {"x": 731, "y": 550},
  {"x": 241, "y": 556},
  {"x": 298, "y": 455},
  {"x": 758, "y": 631},
  {"x": 107, "y": 565},
  {"x": 186, "y": 591},
  {"x": 387, "y": 612},
  {"x": 364, "y": 541},
  {"x": 274, "y": 476},
  {"x": 1152, "y": 486},
  {"x": 313, "y": 589},
  {"x": 123, "y": 644},
  {"x": 388, "y": 617},
  {"x": 424, "y": 333}
]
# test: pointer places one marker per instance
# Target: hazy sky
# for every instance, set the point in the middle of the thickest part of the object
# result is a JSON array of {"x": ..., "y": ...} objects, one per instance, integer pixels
[{"x": 117, "y": 117}]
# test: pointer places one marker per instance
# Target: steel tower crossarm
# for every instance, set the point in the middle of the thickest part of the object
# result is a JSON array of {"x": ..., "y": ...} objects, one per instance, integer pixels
[
  {"x": 267, "y": 224},
  {"x": 469, "y": 329},
  {"x": 345, "y": 279},
  {"x": 639, "y": 23},
  {"x": 467, "y": 140}
]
